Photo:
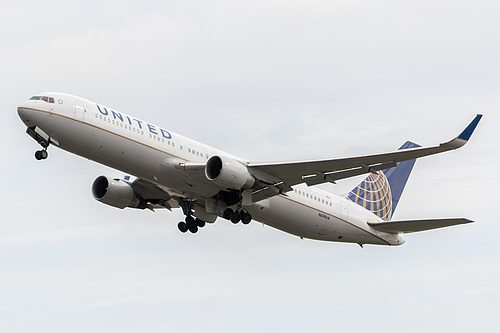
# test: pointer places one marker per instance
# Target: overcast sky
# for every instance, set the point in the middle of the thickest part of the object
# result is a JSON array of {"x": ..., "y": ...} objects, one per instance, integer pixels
[{"x": 268, "y": 81}]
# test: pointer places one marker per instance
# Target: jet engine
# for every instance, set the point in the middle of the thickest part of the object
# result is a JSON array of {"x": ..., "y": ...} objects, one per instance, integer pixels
[
  {"x": 116, "y": 193},
  {"x": 228, "y": 173}
]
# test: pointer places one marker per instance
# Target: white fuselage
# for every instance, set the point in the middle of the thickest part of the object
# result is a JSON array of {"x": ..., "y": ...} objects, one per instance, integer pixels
[{"x": 153, "y": 153}]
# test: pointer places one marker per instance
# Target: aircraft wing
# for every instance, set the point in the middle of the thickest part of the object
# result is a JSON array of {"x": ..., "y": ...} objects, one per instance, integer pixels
[
  {"x": 397, "y": 227},
  {"x": 276, "y": 178},
  {"x": 155, "y": 195}
]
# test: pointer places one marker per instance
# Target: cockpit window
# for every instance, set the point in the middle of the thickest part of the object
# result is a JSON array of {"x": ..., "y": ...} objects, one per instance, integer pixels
[{"x": 43, "y": 98}]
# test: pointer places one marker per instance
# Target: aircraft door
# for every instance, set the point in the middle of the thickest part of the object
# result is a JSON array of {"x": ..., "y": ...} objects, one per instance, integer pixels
[
  {"x": 344, "y": 215},
  {"x": 80, "y": 110}
]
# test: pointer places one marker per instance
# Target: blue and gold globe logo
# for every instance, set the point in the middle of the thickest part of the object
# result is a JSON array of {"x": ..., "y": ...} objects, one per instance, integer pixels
[{"x": 374, "y": 194}]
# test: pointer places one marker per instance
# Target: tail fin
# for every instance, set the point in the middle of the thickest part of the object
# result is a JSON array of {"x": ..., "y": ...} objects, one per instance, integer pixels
[{"x": 380, "y": 191}]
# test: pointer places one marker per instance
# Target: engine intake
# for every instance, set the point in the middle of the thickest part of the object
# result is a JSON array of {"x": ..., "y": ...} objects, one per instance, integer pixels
[
  {"x": 115, "y": 192},
  {"x": 228, "y": 173}
]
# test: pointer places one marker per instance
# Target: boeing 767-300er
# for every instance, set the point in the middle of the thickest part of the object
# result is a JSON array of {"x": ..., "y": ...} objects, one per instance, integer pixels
[{"x": 174, "y": 171}]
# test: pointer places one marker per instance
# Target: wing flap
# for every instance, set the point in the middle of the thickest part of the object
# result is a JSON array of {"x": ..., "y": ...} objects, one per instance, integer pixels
[{"x": 398, "y": 227}]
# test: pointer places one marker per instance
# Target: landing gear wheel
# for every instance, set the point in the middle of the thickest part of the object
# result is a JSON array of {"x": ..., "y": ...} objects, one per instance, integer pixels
[
  {"x": 199, "y": 223},
  {"x": 41, "y": 155},
  {"x": 236, "y": 217},
  {"x": 228, "y": 213},
  {"x": 182, "y": 227},
  {"x": 193, "y": 229},
  {"x": 246, "y": 218}
]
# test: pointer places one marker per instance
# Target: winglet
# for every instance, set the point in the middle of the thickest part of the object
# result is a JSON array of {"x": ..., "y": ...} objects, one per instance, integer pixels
[{"x": 466, "y": 134}]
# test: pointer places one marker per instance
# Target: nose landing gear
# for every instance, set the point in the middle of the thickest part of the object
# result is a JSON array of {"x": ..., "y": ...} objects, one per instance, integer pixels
[{"x": 43, "y": 140}]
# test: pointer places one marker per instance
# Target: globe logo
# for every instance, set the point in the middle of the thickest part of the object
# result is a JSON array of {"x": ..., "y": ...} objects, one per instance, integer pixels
[{"x": 374, "y": 194}]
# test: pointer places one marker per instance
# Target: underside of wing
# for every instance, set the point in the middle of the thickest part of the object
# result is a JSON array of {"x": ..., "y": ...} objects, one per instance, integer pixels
[
  {"x": 398, "y": 227},
  {"x": 276, "y": 178},
  {"x": 154, "y": 194}
]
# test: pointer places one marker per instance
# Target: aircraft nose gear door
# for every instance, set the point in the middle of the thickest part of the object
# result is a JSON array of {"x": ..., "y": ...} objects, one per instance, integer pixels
[{"x": 79, "y": 111}]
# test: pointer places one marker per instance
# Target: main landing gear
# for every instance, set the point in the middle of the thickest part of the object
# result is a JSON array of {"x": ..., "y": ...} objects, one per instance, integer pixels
[
  {"x": 237, "y": 216},
  {"x": 192, "y": 224}
]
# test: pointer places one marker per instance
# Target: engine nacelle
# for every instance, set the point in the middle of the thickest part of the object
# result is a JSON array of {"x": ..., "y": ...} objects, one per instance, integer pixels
[
  {"x": 115, "y": 192},
  {"x": 228, "y": 173}
]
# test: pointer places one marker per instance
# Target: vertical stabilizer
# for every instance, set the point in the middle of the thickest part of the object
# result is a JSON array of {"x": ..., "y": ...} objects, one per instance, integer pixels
[{"x": 380, "y": 191}]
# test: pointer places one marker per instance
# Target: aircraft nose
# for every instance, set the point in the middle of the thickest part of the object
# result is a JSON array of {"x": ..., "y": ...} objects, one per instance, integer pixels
[{"x": 24, "y": 110}]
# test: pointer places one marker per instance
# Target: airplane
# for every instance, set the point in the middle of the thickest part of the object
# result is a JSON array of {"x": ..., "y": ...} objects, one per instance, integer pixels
[{"x": 172, "y": 171}]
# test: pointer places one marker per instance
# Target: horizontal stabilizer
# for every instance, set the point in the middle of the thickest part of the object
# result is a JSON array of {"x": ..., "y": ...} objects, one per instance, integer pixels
[{"x": 397, "y": 227}]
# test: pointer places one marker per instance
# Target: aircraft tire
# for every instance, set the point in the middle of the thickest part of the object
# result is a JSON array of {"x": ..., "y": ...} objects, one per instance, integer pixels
[
  {"x": 193, "y": 229},
  {"x": 236, "y": 217},
  {"x": 41, "y": 155},
  {"x": 199, "y": 223},
  {"x": 182, "y": 227},
  {"x": 228, "y": 213},
  {"x": 246, "y": 218}
]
